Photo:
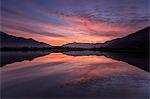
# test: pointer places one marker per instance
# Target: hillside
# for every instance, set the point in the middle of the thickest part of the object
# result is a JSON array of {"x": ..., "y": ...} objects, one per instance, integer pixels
[
  {"x": 10, "y": 41},
  {"x": 82, "y": 45},
  {"x": 139, "y": 39}
]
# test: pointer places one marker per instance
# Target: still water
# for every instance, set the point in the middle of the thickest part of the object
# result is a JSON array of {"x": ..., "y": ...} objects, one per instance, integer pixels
[{"x": 80, "y": 74}]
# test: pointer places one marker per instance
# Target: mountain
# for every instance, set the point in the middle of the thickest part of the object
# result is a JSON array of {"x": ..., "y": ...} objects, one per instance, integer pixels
[
  {"x": 10, "y": 41},
  {"x": 139, "y": 39},
  {"x": 82, "y": 45}
]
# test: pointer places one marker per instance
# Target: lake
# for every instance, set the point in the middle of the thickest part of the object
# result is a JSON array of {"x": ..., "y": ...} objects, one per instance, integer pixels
[{"x": 74, "y": 74}]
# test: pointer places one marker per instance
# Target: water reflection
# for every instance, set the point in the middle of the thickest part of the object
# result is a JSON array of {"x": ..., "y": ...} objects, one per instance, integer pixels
[
  {"x": 140, "y": 60},
  {"x": 58, "y": 75},
  {"x": 8, "y": 57}
]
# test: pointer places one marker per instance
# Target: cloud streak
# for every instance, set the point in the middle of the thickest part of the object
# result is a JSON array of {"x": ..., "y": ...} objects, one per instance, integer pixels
[{"x": 57, "y": 22}]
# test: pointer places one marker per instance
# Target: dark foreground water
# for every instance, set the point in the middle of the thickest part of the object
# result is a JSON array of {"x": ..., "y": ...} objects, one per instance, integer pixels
[{"x": 80, "y": 74}]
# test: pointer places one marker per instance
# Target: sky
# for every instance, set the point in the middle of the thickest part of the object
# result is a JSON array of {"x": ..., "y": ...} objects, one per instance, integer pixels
[{"x": 58, "y": 22}]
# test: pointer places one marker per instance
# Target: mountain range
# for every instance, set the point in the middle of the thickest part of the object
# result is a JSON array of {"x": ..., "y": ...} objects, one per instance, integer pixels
[
  {"x": 137, "y": 40},
  {"x": 9, "y": 41},
  {"x": 82, "y": 45}
]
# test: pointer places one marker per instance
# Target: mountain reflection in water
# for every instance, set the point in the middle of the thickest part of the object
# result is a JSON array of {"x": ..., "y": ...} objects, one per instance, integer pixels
[
  {"x": 8, "y": 57},
  {"x": 75, "y": 74}
]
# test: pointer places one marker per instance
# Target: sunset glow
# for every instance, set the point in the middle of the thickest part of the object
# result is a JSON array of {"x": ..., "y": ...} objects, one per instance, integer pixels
[{"x": 57, "y": 22}]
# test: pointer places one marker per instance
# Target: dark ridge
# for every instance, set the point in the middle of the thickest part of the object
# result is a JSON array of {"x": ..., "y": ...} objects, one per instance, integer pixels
[
  {"x": 137, "y": 40},
  {"x": 9, "y": 41}
]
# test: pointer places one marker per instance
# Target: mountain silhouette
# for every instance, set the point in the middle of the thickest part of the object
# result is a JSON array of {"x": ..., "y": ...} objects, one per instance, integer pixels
[
  {"x": 10, "y": 41},
  {"x": 82, "y": 45},
  {"x": 139, "y": 39}
]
